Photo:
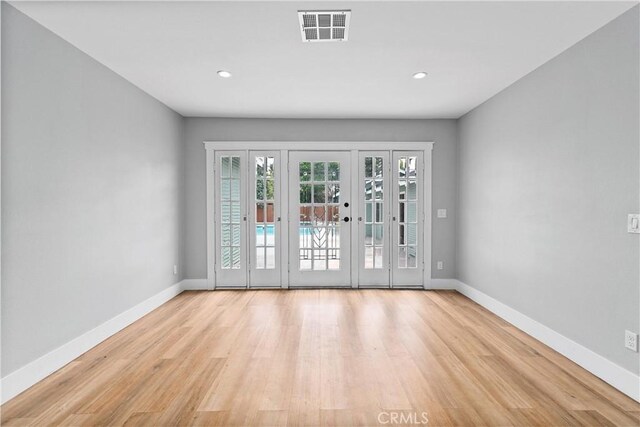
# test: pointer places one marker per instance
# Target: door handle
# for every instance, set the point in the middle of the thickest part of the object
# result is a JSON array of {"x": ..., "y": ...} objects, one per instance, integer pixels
[{"x": 346, "y": 219}]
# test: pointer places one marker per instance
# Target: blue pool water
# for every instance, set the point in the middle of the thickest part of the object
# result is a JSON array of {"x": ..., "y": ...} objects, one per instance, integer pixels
[
  {"x": 260, "y": 229},
  {"x": 270, "y": 229}
]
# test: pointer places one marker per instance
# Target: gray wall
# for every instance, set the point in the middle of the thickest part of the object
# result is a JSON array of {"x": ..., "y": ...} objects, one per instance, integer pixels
[
  {"x": 91, "y": 181},
  {"x": 443, "y": 132},
  {"x": 548, "y": 172}
]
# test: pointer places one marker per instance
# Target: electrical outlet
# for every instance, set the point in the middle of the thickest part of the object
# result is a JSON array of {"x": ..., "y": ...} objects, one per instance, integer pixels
[
  {"x": 440, "y": 265},
  {"x": 631, "y": 340},
  {"x": 175, "y": 269}
]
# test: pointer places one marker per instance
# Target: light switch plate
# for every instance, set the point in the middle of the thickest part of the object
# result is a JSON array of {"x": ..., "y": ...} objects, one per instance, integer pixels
[
  {"x": 442, "y": 213},
  {"x": 633, "y": 223}
]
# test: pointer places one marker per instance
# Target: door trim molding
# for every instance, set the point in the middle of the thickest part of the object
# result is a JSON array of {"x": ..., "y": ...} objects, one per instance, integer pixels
[{"x": 285, "y": 146}]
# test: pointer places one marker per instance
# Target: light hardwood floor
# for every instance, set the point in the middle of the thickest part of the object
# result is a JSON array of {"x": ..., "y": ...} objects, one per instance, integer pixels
[{"x": 321, "y": 357}]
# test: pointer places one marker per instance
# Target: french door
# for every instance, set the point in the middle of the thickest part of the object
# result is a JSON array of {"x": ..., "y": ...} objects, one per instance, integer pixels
[
  {"x": 407, "y": 219},
  {"x": 264, "y": 219},
  {"x": 320, "y": 219},
  {"x": 332, "y": 218},
  {"x": 374, "y": 194},
  {"x": 231, "y": 231}
]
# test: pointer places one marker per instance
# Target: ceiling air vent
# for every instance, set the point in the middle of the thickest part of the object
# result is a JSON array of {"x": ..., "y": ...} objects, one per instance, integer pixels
[{"x": 324, "y": 25}]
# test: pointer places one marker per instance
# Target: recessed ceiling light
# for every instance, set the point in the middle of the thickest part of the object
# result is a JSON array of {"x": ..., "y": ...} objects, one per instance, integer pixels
[
  {"x": 224, "y": 74},
  {"x": 420, "y": 75}
]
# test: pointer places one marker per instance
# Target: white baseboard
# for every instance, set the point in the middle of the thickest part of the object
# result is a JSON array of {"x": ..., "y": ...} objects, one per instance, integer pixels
[
  {"x": 443, "y": 284},
  {"x": 194, "y": 284},
  {"x": 20, "y": 380},
  {"x": 617, "y": 376}
]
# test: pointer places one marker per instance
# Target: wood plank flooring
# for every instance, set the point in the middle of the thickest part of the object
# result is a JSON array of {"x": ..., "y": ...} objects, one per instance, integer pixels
[{"x": 321, "y": 357}]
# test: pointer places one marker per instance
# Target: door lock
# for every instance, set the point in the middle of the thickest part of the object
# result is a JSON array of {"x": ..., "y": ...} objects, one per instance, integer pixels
[{"x": 346, "y": 219}]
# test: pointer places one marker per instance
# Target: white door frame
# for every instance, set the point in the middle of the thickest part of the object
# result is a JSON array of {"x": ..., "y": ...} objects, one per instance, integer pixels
[{"x": 284, "y": 147}]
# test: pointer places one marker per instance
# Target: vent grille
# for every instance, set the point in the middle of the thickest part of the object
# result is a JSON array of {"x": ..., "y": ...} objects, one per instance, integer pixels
[
  {"x": 324, "y": 20},
  {"x": 309, "y": 21},
  {"x": 324, "y": 25},
  {"x": 325, "y": 33},
  {"x": 339, "y": 20},
  {"x": 311, "y": 33}
]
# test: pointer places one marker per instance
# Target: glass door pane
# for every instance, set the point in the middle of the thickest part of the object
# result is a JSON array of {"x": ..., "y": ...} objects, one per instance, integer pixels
[
  {"x": 320, "y": 218},
  {"x": 319, "y": 227}
]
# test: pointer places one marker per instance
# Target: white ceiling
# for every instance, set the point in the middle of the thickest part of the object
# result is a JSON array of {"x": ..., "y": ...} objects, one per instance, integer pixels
[{"x": 471, "y": 50}]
